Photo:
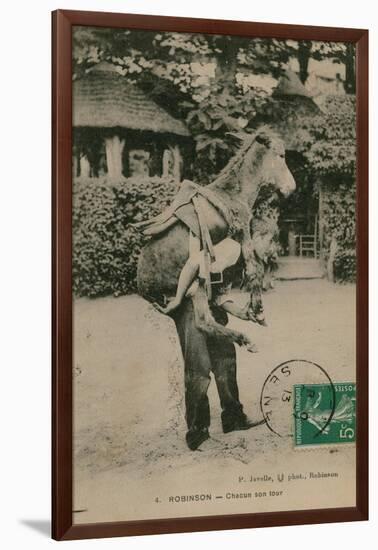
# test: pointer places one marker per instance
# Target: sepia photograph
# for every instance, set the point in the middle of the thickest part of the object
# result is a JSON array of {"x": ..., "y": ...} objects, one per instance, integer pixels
[
  {"x": 186, "y": 275},
  {"x": 213, "y": 272}
]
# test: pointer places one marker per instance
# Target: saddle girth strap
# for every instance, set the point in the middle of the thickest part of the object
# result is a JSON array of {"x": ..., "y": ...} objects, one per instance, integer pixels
[{"x": 207, "y": 245}]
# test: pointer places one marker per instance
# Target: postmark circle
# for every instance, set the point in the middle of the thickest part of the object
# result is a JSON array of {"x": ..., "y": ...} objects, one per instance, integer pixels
[{"x": 277, "y": 399}]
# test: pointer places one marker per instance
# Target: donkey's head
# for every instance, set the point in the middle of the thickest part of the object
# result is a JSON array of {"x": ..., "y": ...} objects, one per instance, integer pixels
[{"x": 264, "y": 163}]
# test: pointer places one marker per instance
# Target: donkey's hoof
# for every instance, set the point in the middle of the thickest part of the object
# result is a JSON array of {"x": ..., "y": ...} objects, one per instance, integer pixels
[
  {"x": 159, "y": 308},
  {"x": 243, "y": 340},
  {"x": 260, "y": 319},
  {"x": 252, "y": 348}
]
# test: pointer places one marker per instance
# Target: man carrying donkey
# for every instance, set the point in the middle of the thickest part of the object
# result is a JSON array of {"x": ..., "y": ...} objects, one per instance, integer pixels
[{"x": 201, "y": 246}]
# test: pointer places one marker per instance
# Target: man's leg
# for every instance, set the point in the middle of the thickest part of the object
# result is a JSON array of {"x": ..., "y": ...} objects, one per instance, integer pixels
[
  {"x": 197, "y": 374},
  {"x": 223, "y": 359}
]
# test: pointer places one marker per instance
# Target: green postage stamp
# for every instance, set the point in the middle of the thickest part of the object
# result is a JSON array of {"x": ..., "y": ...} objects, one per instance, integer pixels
[{"x": 324, "y": 414}]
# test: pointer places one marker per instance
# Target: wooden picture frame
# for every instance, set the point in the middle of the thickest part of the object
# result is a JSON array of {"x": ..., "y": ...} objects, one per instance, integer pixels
[{"x": 62, "y": 401}]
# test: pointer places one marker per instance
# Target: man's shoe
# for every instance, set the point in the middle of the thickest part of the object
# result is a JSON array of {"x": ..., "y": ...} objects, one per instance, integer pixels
[
  {"x": 238, "y": 424},
  {"x": 195, "y": 438}
]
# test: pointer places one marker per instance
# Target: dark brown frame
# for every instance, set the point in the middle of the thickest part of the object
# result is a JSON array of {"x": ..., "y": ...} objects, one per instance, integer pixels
[{"x": 62, "y": 526}]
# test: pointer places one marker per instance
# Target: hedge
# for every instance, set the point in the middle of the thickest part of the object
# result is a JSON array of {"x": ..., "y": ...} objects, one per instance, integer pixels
[
  {"x": 105, "y": 247},
  {"x": 340, "y": 222},
  {"x": 332, "y": 156}
]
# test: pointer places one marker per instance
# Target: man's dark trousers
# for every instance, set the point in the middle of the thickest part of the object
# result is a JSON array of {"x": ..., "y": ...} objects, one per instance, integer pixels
[{"x": 204, "y": 354}]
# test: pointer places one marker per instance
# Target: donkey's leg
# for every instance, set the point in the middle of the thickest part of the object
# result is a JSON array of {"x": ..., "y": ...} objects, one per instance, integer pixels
[
  {"x": 205, "y": 321},
  {"x": 253, "y": 281}
]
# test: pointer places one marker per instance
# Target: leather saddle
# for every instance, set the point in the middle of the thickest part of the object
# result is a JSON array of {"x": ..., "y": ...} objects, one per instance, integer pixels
[
  {"x": 205, "y": 215},
  {"x": 191, "y": 204}
]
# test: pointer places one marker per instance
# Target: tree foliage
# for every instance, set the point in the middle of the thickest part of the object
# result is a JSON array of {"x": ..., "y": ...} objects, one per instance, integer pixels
[
  {"x": 333, "y": 134},
  {"x": 331, "y": 157},
  {"x": 203, "y": 78},
  {"x": 220, "y": 85}
]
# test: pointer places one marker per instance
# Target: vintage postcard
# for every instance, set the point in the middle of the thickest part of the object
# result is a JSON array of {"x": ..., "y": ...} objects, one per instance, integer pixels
[{"x": 214, "y": 275}]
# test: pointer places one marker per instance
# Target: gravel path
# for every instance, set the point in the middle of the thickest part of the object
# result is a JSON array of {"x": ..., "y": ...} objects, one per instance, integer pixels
[{"x": 128, "y": 393}]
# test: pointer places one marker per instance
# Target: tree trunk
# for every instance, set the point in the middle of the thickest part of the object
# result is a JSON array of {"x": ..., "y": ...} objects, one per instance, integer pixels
[
  {"x": 172, "y": 162},
  {"x": 75, "y": 163},
  {"x": 350, "y": 71},
  {"x": 167, "y": 163},
  {"x": 227, "y": 61},
  {"x": 331, "y": 260},
  {"x": 177, "y": 162},
  {"x": 85, "y": 167},
  {"x": 321, "y": 223},
  {"x": 114, "y": 147},
  {"x": 304, "y": 49}
]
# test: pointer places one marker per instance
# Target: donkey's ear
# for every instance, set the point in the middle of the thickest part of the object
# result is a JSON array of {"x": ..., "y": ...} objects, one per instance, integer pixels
[{"x": 264, "y": 139}]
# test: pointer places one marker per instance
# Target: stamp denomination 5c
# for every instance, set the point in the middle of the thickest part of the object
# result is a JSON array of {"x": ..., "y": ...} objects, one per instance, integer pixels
[{"x": 314, "y": 423}]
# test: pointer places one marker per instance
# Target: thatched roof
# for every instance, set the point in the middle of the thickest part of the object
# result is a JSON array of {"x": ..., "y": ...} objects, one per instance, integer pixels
[{"x": 106, "y": 99}]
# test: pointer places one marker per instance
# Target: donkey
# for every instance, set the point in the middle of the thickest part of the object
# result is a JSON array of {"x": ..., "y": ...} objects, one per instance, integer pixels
[{"x": 259, "y": 161}]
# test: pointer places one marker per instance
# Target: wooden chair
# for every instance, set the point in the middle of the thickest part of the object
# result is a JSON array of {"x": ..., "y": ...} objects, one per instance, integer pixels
[{"x": 309, "y": 243}]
